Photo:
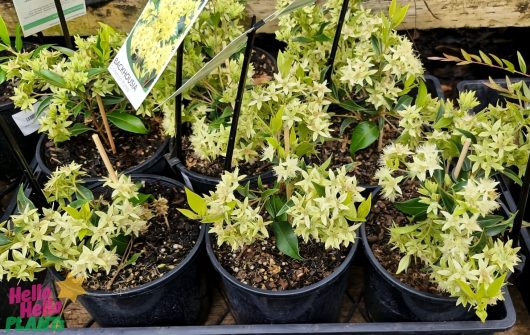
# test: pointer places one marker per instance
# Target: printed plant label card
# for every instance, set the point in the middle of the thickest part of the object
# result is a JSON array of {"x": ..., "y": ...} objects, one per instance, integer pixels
[
  {"x": 36, "y": 15},
  {"x": 151, "y": 44}
]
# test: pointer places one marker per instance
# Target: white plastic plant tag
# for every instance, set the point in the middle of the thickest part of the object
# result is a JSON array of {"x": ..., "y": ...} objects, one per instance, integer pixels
[
  {"x": 27, "y": 121},
  {"x": 150, "y": 46},
  {"x": 36, "y": 15}
]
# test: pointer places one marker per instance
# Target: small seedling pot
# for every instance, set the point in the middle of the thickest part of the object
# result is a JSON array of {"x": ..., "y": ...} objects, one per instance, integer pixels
[
  {"x": 155, "y": 165},
  {"x": 179, "y": 297},
  {"x": 203, "y": 184},
  {"x": 316, "y": 303}
]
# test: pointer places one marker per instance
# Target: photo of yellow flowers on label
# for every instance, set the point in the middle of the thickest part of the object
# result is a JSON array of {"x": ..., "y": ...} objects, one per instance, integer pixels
[{"x": 153, "y": 41}]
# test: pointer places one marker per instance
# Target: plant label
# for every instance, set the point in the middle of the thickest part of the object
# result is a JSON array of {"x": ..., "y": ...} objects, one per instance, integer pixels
[
  {"x": 36, "y": 15},
  {"x": 150, "y": 46},
  {"x": 27, "y": 120}
]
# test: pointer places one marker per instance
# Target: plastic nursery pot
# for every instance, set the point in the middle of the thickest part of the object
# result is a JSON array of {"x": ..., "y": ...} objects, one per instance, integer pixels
[
  {"x": 203, "y": 184},
  {"x": 316, "y": 303},
  {"x": 27, "y": 143},
  {"x": 387, "y": 299},
  {"x": 179, "y": 297},
  {"x": 156, "y": 164}
]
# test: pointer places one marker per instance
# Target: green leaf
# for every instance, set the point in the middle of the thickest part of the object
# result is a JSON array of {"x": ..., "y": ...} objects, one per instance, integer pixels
[
  {"x": 46, "y": 252},
  {"x": 95, "y": 71},
  {"x": 120, "y": 242},
  {"x": 403, "y": 102},
  {"x": 497, "y": 59},
  {"x": 4, "y": 33},
  {"x": 196, "y": 202},
  {"x": 76, "y": 204},
  {"x": 485, "y": 58},
  {"x": 495, "y": 287},
  {"x": 132, "y": 260},
  {"x": 376, "y": 44},
  {"x": 465, "y": 287},
  {"x": 285, "y": 208},
  {"x": 403, "y": 264},
  {"x": 18, "y": 38},
  {"x": 421, "y": 96},
  {"x": 84, "y": 193},
  {"x": 466, "y": 55},
  {"x": 2, "y": 76},
  {"x": 364, "y": 207},
  {"x": 447, "y": 200},
  {"x": 412, "y": 207},
  {"x": 509, "y": 65},
  {"x": 522, "y": 63},
  {"x": 364, "y": 134},
  {"x": 344, "y": 124},
  {"x": 513, "y": 176},
  {"x": 321, "y": 190},
  {"x": 22, "y": 200},
  {"x": 4, "y": 239},
  {"x": 52, "y": 78},
  {"x": 304, "y": 148},
  {"x": 127, "y": 122},
  {"x": 273, "y": 207},
  {"x": 468, "y": 135},
  {"x": 66, "y": 51},
  {"x": 286, "y": 240},
  {"x": 352, "y": 106},
  {"x": 44, "y": 103},
  {"x": 276, "y": 121},
  {"x": 405, "y": 229},
  {"x": 78, "y": 129},
  {"x": 189, "y": 214},
  {"x": 141, "y": 198}
]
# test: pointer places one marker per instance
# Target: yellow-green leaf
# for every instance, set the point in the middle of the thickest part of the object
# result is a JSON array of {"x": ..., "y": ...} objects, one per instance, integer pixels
[{"x": 196, "y": 202}]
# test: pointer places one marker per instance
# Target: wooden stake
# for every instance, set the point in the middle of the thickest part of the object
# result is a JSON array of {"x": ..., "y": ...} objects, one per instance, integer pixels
[
  {"x": 106, "y": 161},
  {"x": 462, "y": 157},
  {"x": 106, "y": 123}
]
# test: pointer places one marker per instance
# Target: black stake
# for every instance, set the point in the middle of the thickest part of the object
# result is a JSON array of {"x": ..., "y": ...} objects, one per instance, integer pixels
[
  {"x": 36, "y": 188},
  {"x": 64, "y": 26},
  {"x": 521, "y": 206},
  {"x": 336, "y": 40},
  {"x": 177, "y": 142},
  {"x": 239, "y": 97}
]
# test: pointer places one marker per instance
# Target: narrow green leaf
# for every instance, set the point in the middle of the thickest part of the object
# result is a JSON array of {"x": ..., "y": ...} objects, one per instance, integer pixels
[
  {"x": 403, "y": 264},
  {"x": 44, "y": 103},
  {"x": 4, "y": 239},
  {"x": 405, "y": 229},
  {"x": 485, "y": 57},
  {"x": 22, "y": 200},
  {"x": 63, "y": 50},
  {"x": 285, "y": 208},
  {"x": 509, "y": 65},
  {"x": 18, "y": 38},
  {"x": 78, "y": 129},
  {"x": 84, "y": 193},
  {"x": 447, "y": 200},
  {"x": 286, "y": 240},
  {"x": 189, "y": 214},
  {"x": 50, "y": 257},
  {"x": 132, "y": 260},
  {"x": 344, "y": 124},
  {"x": 304, "y": 148},
  {"x": 403, "y": 102},
  {"x": 95, "y": 71},
  {"x": 52, "y": 78},
  {"x": 196, "y": 202},
  {"x": 321, "y": 190},
  {"x": 364, "y": 207},
  {"x": 127, "y": 122},
  {"x": 411, "y": 207},
  {"x": 466, "y": 55},
  {"x": 468, "y": 135},
  {"x": 364, "y": 134},
  {"x": 513, "y": 176},
  {"x": 497, "y": 59},
  {"x": 141, "y": 198},
  {"x": 495, "y": 287},
  {"x": 522, "y": 63},
  {"x": 4, "y": 33},
  {"x": 120, "y": 242}
]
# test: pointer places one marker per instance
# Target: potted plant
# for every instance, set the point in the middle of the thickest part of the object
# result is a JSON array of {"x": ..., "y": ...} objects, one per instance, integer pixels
[
  {"x": 133, "y": 252},
  {"x": 78, "y": 97},
  {"x": 283, "y": 251},
  {"x": 446, "y": 240},
  {"x": 14, "y": 57},
  {"x": 373, "y": 71}
]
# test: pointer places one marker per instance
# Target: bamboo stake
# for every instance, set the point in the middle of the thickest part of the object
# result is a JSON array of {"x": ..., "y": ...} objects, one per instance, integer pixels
[
  {"x": 462, "y": 157},
  {"x": 106, "y": 123},
  {"x": 106, "y": 161}
]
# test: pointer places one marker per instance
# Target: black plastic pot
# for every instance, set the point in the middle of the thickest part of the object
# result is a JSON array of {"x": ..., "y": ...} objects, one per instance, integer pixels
[
  {"x": 316, "y": 303},
  {"x": 156, "y": 164},
  {"x": 387, "y": 299},
  {"x": 203, "y": 184},
  {"x": 179, "y": 297},
  {"x": 484, "y": 94},
  {"x": 27, "y": 143}
]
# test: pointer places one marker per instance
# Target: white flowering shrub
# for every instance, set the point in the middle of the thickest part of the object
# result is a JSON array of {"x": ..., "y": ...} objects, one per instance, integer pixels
[
  {"x": 307, "y": 202},
  {"x": 454, "y": 228},
  {"x": 78, "y": 236},
  {"x": 374, "y": 67}
]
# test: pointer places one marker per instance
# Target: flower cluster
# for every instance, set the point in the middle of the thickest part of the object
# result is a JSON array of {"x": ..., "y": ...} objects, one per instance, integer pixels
[{"x": 78, "y": 236}]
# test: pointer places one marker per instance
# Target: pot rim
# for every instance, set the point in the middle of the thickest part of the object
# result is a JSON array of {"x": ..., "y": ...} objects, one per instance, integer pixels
[
  {"x": 286, "y": 293},
  {"x": 164, "y": 278},
  {"x": 132, "y": 170}
]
